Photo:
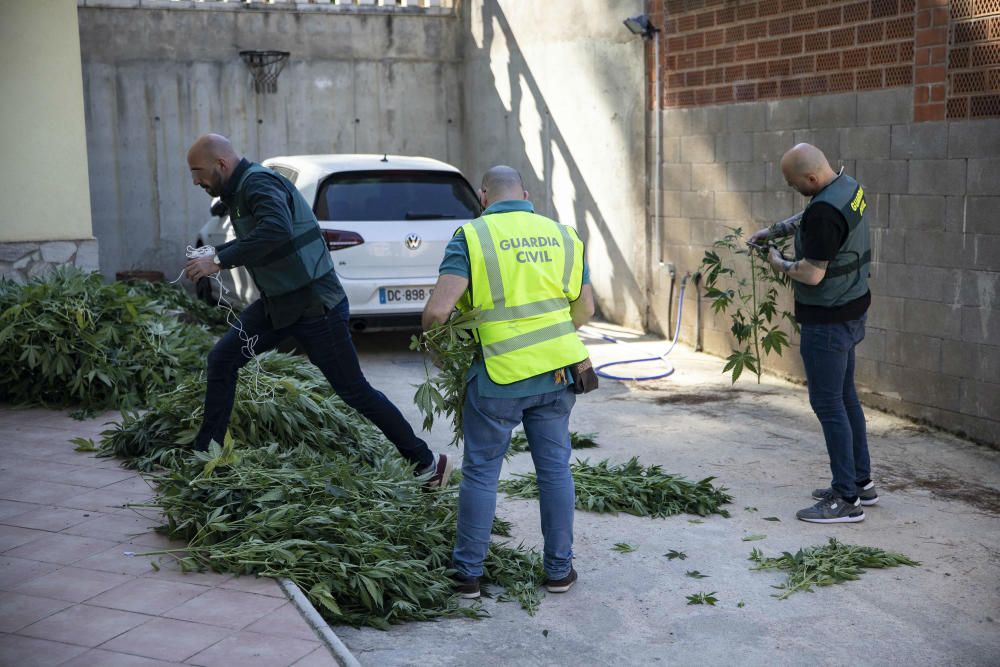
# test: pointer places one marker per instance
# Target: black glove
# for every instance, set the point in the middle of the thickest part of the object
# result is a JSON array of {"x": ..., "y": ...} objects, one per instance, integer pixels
[{"x": 584, "y": 377}]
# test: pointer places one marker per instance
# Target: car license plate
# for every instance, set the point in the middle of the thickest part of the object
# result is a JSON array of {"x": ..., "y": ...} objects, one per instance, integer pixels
[{"x": 391, "y": 295}]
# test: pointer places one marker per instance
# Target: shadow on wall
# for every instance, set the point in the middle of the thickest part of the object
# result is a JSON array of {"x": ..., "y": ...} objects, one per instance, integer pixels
[{"x": 618, "y": 276}]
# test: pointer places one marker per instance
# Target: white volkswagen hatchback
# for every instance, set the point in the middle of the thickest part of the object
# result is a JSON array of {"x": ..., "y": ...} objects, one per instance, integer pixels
[{"x": 386, "y": 220}]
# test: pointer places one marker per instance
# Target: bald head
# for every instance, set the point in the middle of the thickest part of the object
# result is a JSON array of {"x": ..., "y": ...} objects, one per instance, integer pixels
[
  {"x": 501, "y": 183},
  {"x": 806, "y": 169},
  {"x": 212, "y": 161}
]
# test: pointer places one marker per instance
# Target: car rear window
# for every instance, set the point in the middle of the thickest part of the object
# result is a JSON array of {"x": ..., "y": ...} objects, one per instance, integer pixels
[{"x": 396, "y": 195}]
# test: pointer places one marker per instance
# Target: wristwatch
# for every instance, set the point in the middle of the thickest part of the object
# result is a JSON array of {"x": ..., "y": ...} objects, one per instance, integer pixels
[{"x": 215, "y": 258}]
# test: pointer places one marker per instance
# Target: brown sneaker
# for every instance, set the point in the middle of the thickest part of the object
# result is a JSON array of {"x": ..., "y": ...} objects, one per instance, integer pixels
[
  {"x": 440, "y": 469},
  {"x": 562, "y": 585}
]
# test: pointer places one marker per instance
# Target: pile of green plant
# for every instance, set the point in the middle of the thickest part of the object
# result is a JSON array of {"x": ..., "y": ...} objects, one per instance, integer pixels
[
  {"x": 752, "y": 302},
  {"x": 631, "y": 488},
  {"x": 285, "y": 401},
  {"x": 452, "y": 348},
  {"x": 519, "y": 442},
  {"x": 306, "y": 488},
  {"x": 175, "y": 298},
  {"x": 827, "y": 564},
  {"x": 69, "y": 338},
  {"x": 365, "y": 542}
]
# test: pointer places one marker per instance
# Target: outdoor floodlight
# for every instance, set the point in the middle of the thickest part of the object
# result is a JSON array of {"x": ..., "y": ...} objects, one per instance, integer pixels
[{"x": 640, "y": 25}]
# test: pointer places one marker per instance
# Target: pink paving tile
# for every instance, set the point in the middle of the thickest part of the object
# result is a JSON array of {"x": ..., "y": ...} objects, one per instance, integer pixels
[
  {"x": 27, "y": 652},
  {"x": 96, "y": 657},
  {"x": 132, "y": 483},
  {"x": 18, "y": 611},
  {"x": 72, "y": 584},
  {"x": 169, "y": 571},
  {"x": 285, "y": 621},
  {"x": 84, "y": 625},
  {"x": 37, "y": 491},
  {"x": 116, "y": 560},
  {"x": 252, "y": 584},
  {"x": 119, "y": 527},
  {"x": 12, "y": 537},
  {"x": 229, "y": 609},
  {"x": 52, "y": 519},
  {"x": 104, "y": 500},
  {"x": 16, "y": 571},
  {"x": 13, "y": 508},
  {"x": 96, "y": 478},
  {"x": 249, "y": 649},
  {"x": 154, "y": 540},
  {"x": 147, "y": 596},
  {"x": 59, "y": 548},
  {"x": 319, "y": 658},
  {"x": 168, "y": 639}
]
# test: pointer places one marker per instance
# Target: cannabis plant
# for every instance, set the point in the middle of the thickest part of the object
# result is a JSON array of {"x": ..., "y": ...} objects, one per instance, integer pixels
[{"x": 752, "y": 302}]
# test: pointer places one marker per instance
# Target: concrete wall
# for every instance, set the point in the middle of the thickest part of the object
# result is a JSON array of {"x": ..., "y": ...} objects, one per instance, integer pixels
[
  {"x": 157, "y": 78},
  {"x": 43, "y": 179},
  {"x": 916, "y": 119},
  {"x": 933, "y": 345},
  {"x": 555, "y": 89}
]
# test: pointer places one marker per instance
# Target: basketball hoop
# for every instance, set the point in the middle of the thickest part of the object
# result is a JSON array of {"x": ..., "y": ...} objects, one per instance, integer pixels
[{"x": 265, "y": 66}]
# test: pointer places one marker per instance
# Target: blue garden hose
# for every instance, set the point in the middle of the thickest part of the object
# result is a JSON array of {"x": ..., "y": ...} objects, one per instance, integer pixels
[{"x": 638, "y": 378}]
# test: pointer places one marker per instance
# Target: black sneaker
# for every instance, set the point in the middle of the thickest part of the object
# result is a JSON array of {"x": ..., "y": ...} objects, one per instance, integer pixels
[
  {"x": 833, "y": 510},
  {"x": 465, "y": 587},
  {"x": 867, "y": 494},
  {"x": 441, "y": 469},
  {"x": 561, "y": 585}
]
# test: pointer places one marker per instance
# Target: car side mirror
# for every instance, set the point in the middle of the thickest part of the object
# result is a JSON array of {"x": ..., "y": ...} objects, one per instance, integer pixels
[{"x": 219, "y": 209}]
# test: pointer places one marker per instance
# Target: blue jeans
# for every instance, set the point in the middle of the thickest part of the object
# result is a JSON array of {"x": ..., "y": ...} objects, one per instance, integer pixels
[
  {"x": 488, "y": 423},
  {"x": 828, "y": 356},
  {"x": 327, "y": 342}
]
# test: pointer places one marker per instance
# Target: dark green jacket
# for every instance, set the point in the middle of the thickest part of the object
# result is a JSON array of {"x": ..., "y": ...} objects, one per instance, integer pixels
[
  {"x": 846, "y": 276},
  {"x": 300, "y": 258}
]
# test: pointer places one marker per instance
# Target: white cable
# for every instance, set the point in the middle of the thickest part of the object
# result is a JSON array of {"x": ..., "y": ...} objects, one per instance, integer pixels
[{"x": 232, "y": 319}]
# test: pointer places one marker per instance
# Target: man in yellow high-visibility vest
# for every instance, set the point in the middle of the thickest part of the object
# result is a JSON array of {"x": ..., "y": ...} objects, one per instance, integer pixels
[{"x": 527, "y": 275}]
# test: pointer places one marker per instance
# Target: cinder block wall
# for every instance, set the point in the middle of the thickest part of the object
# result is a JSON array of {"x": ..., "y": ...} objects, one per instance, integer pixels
[{"x": 905, "y": 96}]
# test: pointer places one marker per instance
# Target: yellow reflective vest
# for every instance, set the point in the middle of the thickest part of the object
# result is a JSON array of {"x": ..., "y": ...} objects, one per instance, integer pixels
[{"x": 525, "y": 271}]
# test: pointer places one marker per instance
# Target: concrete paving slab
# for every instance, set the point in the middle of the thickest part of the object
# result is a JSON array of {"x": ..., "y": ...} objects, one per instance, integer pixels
[
  {"x": 86, "y": 546},
  {"x": 147, "y": 596},
  {"x": 84, "y": 625},
  {"x": 51, "y": 519},
  {"x": 250, "y": 649},
  {"x": 226, "y": 608},
  {"x": 72, "y": 584},
  {"x": 168, "y": 639},
  {"x": 59, "y": 548},
  {"x": 101, "y": 658},
  {"x": 318, "y": 658},
  {"x": 29, "y": 652},
  {"x": 19, "y": 611},
  {"x": 15, "y": 571}
]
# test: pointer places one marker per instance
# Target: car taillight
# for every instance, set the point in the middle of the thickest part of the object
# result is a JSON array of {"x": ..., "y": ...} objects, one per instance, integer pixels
[{"x": 338, "y": 240}]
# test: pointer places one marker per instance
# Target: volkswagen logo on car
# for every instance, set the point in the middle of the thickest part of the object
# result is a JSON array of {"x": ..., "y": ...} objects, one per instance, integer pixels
[{"x": 412, "y": 241}]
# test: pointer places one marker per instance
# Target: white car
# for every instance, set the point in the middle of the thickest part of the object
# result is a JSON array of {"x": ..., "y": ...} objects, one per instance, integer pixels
[{"x": 386, "y": 220}]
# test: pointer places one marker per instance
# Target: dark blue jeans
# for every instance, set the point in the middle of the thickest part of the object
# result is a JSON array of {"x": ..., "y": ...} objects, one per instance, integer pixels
[
  {"x": 327, "y": 342},
  {"x": 828, "y": 356}
]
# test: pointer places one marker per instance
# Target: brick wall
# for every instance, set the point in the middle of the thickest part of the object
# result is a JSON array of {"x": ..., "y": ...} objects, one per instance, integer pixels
[
  {"x": 719, "y": 51},
  {"x": 930, "y": 173}
]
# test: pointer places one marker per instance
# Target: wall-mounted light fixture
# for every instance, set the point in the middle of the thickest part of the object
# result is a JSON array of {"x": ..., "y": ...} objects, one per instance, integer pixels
[{"x": 641, "y": 25}]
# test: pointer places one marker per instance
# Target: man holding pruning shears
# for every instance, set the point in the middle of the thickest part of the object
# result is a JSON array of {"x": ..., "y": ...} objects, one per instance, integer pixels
[{"x": 830, "y": 280}]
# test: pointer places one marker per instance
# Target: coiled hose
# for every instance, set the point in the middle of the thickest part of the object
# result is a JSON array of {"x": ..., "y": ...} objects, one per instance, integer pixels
[{"x": 638, "y": 378}]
